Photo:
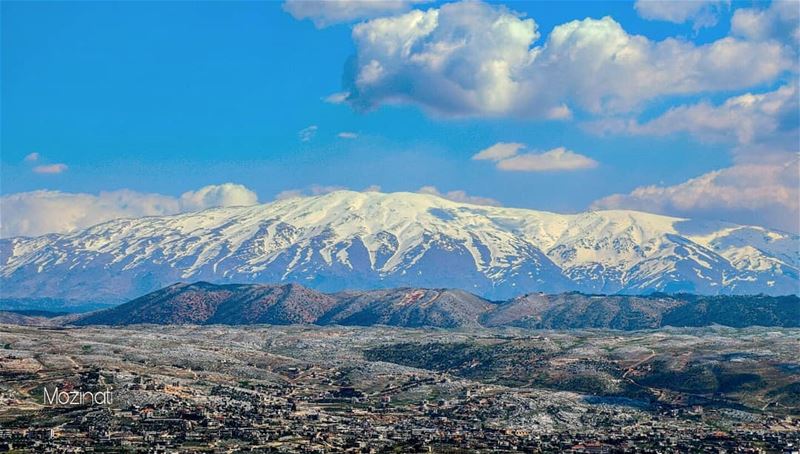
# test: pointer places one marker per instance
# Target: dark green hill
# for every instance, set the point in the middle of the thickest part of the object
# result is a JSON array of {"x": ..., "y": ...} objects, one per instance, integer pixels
[{"x": 736, "y": 311}]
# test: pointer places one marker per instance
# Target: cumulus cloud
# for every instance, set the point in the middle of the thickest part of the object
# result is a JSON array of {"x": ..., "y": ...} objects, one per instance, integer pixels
[
  {"x": 762, "y": 187},
  {"x": 347, "y": 135},
  {"x": 458, "y": 196},
  {"x": 507, "y": 156},
  {"x": 32, "y": 157},
  {"x": 324, "y": 13},
  {"x": 760, "y": 194},
  {"x": 476, "y": 59},
  {"x": 34, "y": 213},
  {"x": 758, "y": 124},
  {"x": 223, "y": 195},
  {"x": 306, "y": 134},
  {"x": 702, "y": 13},
  {"x": 41, "y": 212},
  {"x": 463, "y": 58},
  {"x": 603, "y": 68},
  {"x": 50, "y": 168},
  {"x": 780, "y": 21}
]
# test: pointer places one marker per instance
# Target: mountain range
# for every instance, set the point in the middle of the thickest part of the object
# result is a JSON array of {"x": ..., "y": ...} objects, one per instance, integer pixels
[
  {"x": 202, "y": 303},
  {"x": 370, "y": 240}
]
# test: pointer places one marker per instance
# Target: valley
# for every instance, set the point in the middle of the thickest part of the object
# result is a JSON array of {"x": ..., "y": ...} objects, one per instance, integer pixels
[{"x": 331, "y": 389}]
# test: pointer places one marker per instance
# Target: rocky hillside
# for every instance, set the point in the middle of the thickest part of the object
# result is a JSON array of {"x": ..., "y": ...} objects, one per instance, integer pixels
[{"x": 241, "y": 304}]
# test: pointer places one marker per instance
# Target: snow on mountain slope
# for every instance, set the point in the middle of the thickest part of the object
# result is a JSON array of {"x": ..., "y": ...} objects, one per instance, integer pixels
[{"x": 371, "y": 240}]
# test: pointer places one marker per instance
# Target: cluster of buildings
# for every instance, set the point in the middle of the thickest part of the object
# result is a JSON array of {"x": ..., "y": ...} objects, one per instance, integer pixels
[
  {"x": 296, "y": 389},
  {"x": 324, "y": 414}
]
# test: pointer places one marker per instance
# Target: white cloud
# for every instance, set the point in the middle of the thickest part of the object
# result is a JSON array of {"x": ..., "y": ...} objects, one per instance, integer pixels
[
  {"x": 475, "y": 59},
  {"x": 347, "y": 135},
  {"x": 760, "y": 194},
  {"x": 460, "y": 59},
  {"x": 780, "y": 21},
  {"x": 50, "y": 168},
  {"x": 758, "y": 124},
  {"x": 761, "y": 188},
  {"x": 458, "y": 196},
  {"x": 223, "y": 195},
  {"x": 40, "y": 212},
  {"x": 507, "y": 156},
  {"x": 290, "y": 194},
  {"x": 306, "y": 134},
  {"x": 329, "y": 12},
  {"x": 33, "y": 213},
  {"x": 556, "y": 159},
  {"x": 314, "y": 189},
  {"x": 500, "y": 150},
  {"x": 562, "y": 112},
  {"x": 45, "y": 169},
  {"x": 337, "y": 98},
  {"x": 603, "y": 68},
  {"x": 703, "y": 13}
]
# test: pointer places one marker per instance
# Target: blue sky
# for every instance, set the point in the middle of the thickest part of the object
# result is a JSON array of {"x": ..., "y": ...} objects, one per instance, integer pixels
[{"x": 170, "y": 97}]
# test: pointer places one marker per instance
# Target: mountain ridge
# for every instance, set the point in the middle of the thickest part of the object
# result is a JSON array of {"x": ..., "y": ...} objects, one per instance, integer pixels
[
  {"x": 203, "y": 303},
  {"x": 349, "y": 239}
]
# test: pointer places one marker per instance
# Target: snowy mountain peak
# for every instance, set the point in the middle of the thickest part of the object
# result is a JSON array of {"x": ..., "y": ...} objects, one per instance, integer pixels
[{"x": 348, "y": 239}]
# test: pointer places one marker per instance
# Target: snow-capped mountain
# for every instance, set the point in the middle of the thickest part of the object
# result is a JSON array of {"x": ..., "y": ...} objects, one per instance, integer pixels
[{"x": 372, "y": 240}]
